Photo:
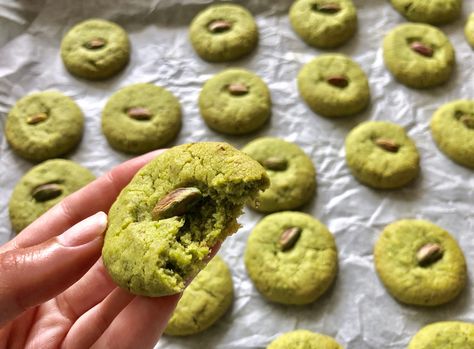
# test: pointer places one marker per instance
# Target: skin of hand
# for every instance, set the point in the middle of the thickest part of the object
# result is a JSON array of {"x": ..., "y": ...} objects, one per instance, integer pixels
[{"x": 54, "y": 289}]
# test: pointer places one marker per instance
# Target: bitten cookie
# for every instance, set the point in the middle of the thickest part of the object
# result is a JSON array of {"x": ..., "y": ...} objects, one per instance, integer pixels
[
  {"x": 333, "y": 85},
  {"x": 223, "y": 33},
  {"x": 381, "y": 155},
  {"x": 324, "y": 23},
  {"x": 291, "y": 258},
  {"x": 418, "y": 55},
  {"x": 235, "y": 102},
  {"x": 204, "y": 301},
  {"x": 44, "y": 125},
  {"x": 469, "y": 30},
  {"x": 452, "y": 127},
  {"x": 291, "y": 171},
  {"x": 95, "y": 49},
  {"x": 140, "y": 118},
  {"x": 42, "y": 187},
  {"x": 166, "y": 220},
  {"x": 419, "y": 263},
  {"x": 444, "y": 335},
  {"x": 429, "y": 11},
  {"x": 303, "y": 339}
]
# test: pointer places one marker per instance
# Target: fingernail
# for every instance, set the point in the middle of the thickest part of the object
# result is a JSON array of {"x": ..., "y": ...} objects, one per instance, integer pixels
[{"x": 85, "y": 231}]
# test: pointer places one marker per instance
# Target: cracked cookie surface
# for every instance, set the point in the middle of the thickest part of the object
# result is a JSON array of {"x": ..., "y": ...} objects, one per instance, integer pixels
[
  {"x": 303, "y": 339},
  {"x": 429, "y": 11},
  {"x": 444, "y": 335}
]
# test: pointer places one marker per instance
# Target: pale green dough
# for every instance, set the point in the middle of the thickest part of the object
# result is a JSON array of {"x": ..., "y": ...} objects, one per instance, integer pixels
[
  {"x": 329, "y": 100},
  {"x": 320, "y": 28},
  {"x": 204, "y": 301},
  {"x": 469, "y": 30},
  {"x": 429, "y": 11},
  {"x": 375, "y": 166},
  {"x": 453, "y": 134},
  {"x": 303, "y": 339},
  {"x": 155, "y": 256},
  {"x": 395, "y": 256},
  {"x": 444, "y": 335},
  {"x": 410, "y": 67},
  {"x": 299, "y": 275},
  {"x": 291, "y": 187}
]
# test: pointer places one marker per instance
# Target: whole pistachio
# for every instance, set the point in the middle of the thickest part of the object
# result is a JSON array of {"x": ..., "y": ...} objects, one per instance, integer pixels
[{"x": 176, "y": 203}]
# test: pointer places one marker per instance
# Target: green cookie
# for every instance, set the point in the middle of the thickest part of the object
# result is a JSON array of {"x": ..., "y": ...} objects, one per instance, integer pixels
[
  {"x": 95, "y": 49},
  {"x": 418, "y": 55},
  {"x": 333, "y": 85},
  {"x": 291, "y": 171},
  {"x": 163, "y": 224},
  {"x": 140, "y": 118},
  {"x": 444, "y": 335},
  {"x": 223, "y": 33},
  {"x": 381, "y": 155},
  {"x": 324, "y": 23},
  {"x": 204, "y": 301},
  {"x": 42, "y": 187},
  {"x": 235, "y": 102},
  {"x": 419, "y": 263},
  {"x": 452, "y": 127},
  {"x": 429, "y": 11},
  {"x": 291, "y": 258},
  {"x": 303, "y": 339},
  {"x": 44, "y": 125},
  {"x": 469, "y": 30}
]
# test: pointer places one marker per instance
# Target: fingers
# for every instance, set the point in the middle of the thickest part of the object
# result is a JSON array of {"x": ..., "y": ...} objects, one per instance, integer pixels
[
  {"x": 96, "y": 196},
  {"x": 30, "y": 276},
  {"x": 143, "y": 320}
]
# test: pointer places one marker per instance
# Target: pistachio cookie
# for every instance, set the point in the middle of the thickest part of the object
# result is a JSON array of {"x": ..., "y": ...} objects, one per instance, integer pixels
[
  {"x": 44, "y": 125},
  {"x": 291, "y": 258},
  {"x": 381, "y": 155},
  {"x": 419, "y": 263},
  {"x": 303, "y": 339},
  {"x": 235, "y": 102},
  {"x": 95, "y": 49},
  {"x": 452, "y": 127},
  {"x": 324, "y": 23},
  {"x": 333, "y": 85},
  {"x": 204, "y": 301},
  {"x": 429, "y": 11},
  {"x": 223, "y": 33},
  {"x": 418, "y": 55},
  {"x": 444, "y": 335},
  {"x": 166, "y": 220},
  {"x": 291, "y": 171},
  {"x": 140, "y": 118},
  {"x": 42, "y": 187},
  {"x": 469, "y": 30}
]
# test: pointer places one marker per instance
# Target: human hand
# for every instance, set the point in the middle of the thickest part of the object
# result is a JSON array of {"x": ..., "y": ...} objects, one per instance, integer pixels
[{"x": 54, "y": 289}]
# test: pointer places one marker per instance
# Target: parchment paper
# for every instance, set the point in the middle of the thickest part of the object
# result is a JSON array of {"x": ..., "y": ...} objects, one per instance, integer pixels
[{"x": 357, "y": 310}]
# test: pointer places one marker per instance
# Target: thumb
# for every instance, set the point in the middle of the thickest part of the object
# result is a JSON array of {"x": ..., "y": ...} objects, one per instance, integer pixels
[{"x": 30, "y": 276}]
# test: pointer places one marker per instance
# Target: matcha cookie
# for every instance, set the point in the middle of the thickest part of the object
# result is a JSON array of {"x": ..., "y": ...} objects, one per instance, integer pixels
[
  {"x": 444, "y": 335},
  {"x": 469, "y": 30},
  {"x": 204, "y": 301},
  {"x": 418, "y": 55},
  {"x": 419, "y": 263},
  {"x": 324, "y": 23},
  {"x": 452, "y": 127},
  {"x": 44, "y": 125},
  {"x": 235, "y": 102},
  {"x": 165, "y": 221},
  {"x": 140, "y": 118},
  {"x": 381, "y": 155},
  {"x": 291, "y": 258},
  {"x": 44, "y": 186},
  {"x": 95, "y": 49},
  {"x": 223, "y": 33},
  {"x": 303, "y": 339},
  {"x": 429, "y": 11},
  {"x": 291, "y": 171},
  {"x": 334, "y": 85}
]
